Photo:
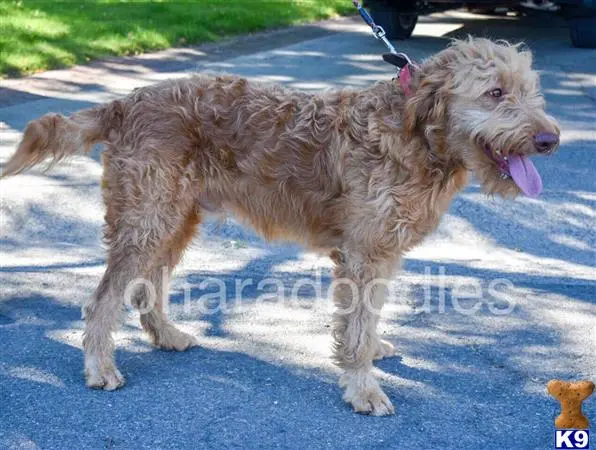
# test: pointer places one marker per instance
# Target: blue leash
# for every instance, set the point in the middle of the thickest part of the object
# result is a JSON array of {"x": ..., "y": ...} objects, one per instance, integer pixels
[
  {"x": 377, "y": 30},
  {"x": 399, "y": 60}
]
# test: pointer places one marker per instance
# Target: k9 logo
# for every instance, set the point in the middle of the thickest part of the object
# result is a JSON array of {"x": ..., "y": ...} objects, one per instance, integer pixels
[{"x": 572, "y": 439}]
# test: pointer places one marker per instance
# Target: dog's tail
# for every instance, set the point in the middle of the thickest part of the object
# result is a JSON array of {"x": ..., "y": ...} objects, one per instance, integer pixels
[{"x": 55, "y": 137}]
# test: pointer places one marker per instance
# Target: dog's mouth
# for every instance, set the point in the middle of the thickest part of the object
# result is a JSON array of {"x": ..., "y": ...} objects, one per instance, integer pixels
[{"x": 519, "y": 168}]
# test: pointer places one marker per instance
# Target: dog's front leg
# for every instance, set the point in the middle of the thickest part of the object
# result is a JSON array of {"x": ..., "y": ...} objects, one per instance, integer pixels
[{"x": 359, "y": 293}]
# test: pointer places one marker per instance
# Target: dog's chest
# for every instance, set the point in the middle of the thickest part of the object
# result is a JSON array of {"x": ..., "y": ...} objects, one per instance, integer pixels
[{"x": 418, "y": 212}]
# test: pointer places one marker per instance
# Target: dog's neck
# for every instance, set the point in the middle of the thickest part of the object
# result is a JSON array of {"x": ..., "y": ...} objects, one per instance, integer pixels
[
  {"x": 431, "y": 142},
  {"x": 425, "y": 152},
  {"x": 439, "y": 162}
]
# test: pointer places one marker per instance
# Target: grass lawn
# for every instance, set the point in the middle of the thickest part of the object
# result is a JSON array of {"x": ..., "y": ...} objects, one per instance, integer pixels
[{"x": 44, "y": 34}]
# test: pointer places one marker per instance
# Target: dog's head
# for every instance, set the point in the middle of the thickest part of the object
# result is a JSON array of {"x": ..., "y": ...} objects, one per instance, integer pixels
[{"x": 480, "y": 102}]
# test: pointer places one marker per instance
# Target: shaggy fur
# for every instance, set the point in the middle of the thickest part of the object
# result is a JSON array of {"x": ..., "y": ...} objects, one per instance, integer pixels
[{"x": 364, "y": 175}]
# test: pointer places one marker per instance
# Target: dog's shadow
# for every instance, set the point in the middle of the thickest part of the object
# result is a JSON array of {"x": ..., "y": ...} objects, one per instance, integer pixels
[{"x": 457, "y": 381}]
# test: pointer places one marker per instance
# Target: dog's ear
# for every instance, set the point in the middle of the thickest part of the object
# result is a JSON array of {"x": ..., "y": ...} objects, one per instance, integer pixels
[{"x": 428, "y": 103}]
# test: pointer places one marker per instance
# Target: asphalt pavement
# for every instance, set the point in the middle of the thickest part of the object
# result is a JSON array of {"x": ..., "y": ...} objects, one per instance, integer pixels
[{"x": 261, "y": 376}]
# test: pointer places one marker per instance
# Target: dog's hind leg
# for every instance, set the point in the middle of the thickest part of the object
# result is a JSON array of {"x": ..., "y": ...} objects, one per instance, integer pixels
[
  {"x": 359, "y": 295},
  {"x": 134, "y": 274},
  {"x": 153, "y": 317},
  {"x": 126, "y": 265},
  {"x": 145, "y": 209}
]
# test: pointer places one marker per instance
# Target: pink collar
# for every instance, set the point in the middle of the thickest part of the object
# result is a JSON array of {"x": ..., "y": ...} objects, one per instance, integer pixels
[{"x": 405, "y": 78}]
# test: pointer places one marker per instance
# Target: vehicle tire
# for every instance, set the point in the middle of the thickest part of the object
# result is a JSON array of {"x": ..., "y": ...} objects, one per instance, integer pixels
[
  {"x": 397, "y": 24},
  {"x": 582, "y": 26},
  {"x": 583, "y": 32},
  {"x": 484, "y": 10}
]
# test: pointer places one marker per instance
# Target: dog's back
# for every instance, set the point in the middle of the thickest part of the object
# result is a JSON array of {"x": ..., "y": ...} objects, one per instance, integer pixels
[{"x": 277, "y": 158}]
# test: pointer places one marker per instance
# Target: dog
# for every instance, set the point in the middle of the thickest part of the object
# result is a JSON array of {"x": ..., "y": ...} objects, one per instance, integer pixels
[{"x": 363, "y": 175}]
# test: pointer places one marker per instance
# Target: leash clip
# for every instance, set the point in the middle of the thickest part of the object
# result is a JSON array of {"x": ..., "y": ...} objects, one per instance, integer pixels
[
  {"x": 402, "y": 61},
  {"x": 378, "y": 31}
]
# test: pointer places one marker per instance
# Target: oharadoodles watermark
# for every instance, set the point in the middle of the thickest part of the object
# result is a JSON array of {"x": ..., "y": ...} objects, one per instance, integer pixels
[{"x": 440, "y": 293}]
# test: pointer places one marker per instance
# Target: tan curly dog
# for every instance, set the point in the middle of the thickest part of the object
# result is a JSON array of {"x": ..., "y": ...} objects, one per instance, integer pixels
[{"x": 363, "y": 175}]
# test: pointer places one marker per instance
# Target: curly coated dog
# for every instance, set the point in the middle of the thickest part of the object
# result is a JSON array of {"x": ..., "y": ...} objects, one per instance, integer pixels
[{"x": 363, "y": 175}]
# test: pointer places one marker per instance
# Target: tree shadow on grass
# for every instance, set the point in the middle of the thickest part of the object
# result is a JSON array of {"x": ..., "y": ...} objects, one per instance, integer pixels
[{"x": 94, "y": 29}]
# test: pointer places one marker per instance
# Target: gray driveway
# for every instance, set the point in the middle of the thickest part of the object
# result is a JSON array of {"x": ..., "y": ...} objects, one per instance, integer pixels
[{"x": 262, "y": 377}]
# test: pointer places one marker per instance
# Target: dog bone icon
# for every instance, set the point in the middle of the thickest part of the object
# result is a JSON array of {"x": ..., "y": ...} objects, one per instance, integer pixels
[{"x": 571, "y": 395}]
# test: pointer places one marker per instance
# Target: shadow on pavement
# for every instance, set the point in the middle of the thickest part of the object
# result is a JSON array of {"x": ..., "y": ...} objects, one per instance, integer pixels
[{"x": 463, "y": 381}]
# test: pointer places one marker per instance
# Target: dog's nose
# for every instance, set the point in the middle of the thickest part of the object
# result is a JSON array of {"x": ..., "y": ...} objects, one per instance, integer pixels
[{"x": 545, "y": 141}]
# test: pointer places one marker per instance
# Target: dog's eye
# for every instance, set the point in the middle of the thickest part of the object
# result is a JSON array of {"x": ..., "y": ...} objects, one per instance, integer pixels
[{"x": 496, "y": 93}]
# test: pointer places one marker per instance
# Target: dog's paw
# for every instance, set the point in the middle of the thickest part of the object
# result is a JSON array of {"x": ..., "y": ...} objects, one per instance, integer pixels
[
  {"x": 102, "y": 376},
  {"x": 363, "y": 392},
  {"x": 385, "y": 350},
  {"x": 170, "y": 338}
]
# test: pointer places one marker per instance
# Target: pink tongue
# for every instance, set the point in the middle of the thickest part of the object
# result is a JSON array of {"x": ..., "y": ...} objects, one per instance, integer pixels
[{"x": 525, "y": 175}]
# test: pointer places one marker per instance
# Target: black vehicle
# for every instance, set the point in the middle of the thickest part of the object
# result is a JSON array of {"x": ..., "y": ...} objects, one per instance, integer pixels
[{"x": 399, "y": 17}]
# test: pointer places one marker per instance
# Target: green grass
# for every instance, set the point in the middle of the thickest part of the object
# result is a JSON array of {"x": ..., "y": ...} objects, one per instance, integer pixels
[{"x": 45, "y": 34}]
